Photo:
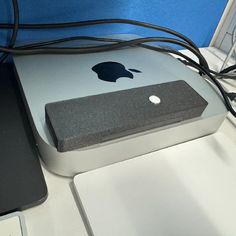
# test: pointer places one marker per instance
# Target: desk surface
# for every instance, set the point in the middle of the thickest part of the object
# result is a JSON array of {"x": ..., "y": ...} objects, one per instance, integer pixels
[
  {"x": 59, "y": 215},
  {"x": 184, "y": 190}
]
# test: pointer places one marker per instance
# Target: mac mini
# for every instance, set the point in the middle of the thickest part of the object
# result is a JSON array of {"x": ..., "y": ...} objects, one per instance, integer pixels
[{"x": 92, "y": 110}]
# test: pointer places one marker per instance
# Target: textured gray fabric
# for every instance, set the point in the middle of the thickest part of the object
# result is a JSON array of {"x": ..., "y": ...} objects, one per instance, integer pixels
[{"x": 85, "y": 121}]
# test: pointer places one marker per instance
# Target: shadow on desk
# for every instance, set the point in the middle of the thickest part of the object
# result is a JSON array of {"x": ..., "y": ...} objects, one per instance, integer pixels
[{"x": 81, "y": 210}]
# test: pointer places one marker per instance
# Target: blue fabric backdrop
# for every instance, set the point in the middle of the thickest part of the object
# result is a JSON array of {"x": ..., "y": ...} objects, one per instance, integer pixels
[{"x": 197, "y": 19}]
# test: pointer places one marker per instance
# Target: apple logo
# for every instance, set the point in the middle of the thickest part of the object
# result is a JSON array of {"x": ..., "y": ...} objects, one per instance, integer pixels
[{"x": 111, "y": 71}]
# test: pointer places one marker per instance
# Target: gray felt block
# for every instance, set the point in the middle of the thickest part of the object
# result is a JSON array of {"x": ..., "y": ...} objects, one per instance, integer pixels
[{"x": 86, "y": 121}]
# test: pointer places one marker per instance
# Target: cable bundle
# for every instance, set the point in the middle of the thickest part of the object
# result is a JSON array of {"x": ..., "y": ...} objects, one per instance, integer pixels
[{"x": 49, "y": 47}]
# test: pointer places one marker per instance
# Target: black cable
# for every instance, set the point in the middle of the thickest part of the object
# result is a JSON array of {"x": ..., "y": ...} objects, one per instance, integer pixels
[
  {"x": 105, "y": 21},
  {"x": 58, "y": 41},
  {"x": 102, "y": 48},
  {"x": 164, "y": 49},
  {"x": 76, "y": 38},
  {"x": 232, "y": 96},
  {"x": 68, "y": 39},
  {"x": 223, "y": 75},
  {"x": 219, "y": 74},
  {"x": 229, "y": 69},
  {"x": 120, "y": 42},
  {"x": 226, "y": 96},
  {"x": 15, "y": 30},
  {"x": 102, "y": 21}
]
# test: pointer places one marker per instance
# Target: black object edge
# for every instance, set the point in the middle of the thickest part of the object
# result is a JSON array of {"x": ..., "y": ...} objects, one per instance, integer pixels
[{"x": 9, "y": 80}]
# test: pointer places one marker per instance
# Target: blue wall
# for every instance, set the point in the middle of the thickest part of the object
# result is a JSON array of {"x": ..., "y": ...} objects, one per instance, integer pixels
[{"x": 197, "y": 19}]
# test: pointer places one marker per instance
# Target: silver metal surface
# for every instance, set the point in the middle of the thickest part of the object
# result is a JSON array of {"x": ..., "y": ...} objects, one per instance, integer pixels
[{"x": 50, "y": 78}]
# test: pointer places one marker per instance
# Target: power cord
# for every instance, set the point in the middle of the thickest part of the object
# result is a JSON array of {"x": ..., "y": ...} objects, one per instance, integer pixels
[{"x": 229, "y": 69}]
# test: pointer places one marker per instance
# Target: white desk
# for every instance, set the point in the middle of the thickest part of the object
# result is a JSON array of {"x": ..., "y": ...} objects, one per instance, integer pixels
[
  {"x": 184, "y": 190},
  {"x": 59, "y": 214}
]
